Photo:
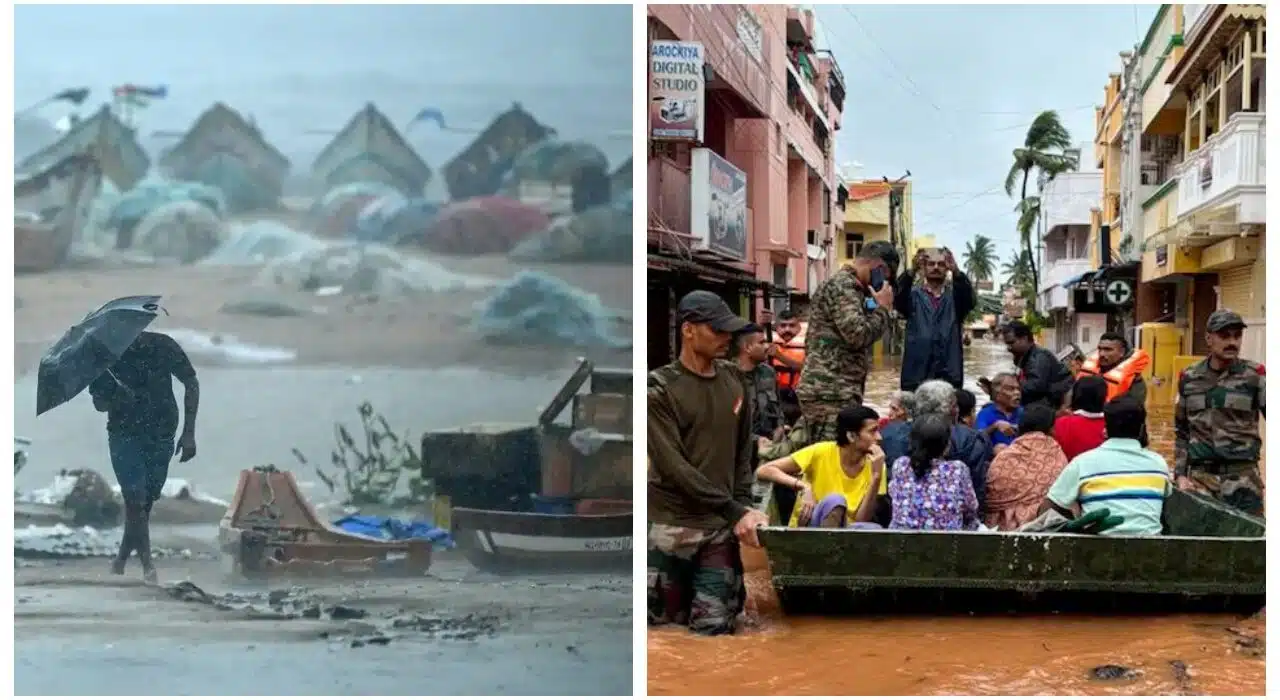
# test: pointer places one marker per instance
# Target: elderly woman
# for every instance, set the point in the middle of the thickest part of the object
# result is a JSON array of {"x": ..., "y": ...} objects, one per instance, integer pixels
[
  {"x": 901, "y": 405},
  {"x": 938, "y": 398},
  {"x": 1021, "y": 474},
  {"x": 928, "y": 491}
]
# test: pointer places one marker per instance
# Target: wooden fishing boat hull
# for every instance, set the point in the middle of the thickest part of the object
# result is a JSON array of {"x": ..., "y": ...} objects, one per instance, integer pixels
[
  {"x": 514, "y": 542},
  {"x": 223, "y": 140},
  {"x": 64, "y": 190},
  {"x": 370, "y": 149},
  {"x": 1213, "y": 558},
  {"x": 107, "y": 140}
]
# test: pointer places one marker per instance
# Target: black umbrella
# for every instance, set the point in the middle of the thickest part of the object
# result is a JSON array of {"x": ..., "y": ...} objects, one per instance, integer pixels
[{"x": 90, "y": 348}]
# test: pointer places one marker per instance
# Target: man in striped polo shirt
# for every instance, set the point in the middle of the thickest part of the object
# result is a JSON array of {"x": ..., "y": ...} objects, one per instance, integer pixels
[{"x": 1119, "y": 475}]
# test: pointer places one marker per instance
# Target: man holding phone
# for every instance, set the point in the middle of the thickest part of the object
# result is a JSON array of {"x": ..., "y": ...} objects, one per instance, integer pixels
[
  {"x": 934, "y": 309},
  {"x": 848, "y": 313}
]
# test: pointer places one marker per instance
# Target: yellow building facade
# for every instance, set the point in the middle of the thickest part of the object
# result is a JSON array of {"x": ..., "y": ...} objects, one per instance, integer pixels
[
  {"x": 1203, "y": 230},
  {"x": 867, "y": 217}
]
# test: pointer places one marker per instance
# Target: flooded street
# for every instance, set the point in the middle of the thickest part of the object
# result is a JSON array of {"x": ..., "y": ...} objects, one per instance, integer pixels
[{"x": 962, "y": 655}]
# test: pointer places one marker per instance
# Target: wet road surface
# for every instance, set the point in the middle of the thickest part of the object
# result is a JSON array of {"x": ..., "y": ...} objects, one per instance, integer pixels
[{"x": 960, "y": 655}]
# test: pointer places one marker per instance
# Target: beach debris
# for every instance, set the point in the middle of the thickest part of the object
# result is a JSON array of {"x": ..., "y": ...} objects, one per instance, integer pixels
[
  {"x": 63, "y": 542},
  {"x": 1114, "y": 672},
  {"x": 366, "y": 269},
  {"x": 542, "y": 310},
  {"x": 1181, "y": 675},
  {"x": 370, "y": 470},
  {"x": 363, "y": 628},
  {"x": 261, "y": 306}
]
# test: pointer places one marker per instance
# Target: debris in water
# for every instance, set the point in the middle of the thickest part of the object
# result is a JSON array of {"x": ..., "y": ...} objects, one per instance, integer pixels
[
  {"x": 535, "y": 308},
  {"x": 1114, "y": 672}
]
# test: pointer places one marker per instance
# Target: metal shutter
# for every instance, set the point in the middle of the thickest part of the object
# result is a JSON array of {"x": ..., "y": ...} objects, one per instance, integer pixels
[{"x": 1235, "y": 291}]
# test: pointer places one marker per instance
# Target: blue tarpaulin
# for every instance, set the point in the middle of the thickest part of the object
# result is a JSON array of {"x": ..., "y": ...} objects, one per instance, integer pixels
[{"x": 393, "y": 529}]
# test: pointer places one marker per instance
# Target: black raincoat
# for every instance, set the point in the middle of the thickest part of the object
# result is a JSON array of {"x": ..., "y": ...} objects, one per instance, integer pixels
[{"x": 933, "y": 348}]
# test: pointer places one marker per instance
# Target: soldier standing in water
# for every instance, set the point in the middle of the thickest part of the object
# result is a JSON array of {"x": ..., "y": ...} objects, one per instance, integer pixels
[
  {"x": 848, "y": 314},
  {"x": 1217, "y": 443}
]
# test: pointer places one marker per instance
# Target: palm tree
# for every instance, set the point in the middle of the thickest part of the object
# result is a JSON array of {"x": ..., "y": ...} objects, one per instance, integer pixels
[
  {"x": 1044, "y": 150},
  {"x": 979, "y": 258},
  {"x": 1017, "y": 272}
]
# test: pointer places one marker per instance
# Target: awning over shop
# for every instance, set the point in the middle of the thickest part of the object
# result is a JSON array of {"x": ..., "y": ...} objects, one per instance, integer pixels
[{"x": 1079, "y": 279}]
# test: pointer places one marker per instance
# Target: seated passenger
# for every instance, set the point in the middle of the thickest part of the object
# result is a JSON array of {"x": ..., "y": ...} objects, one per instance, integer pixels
[
  {"x": 966, "y": 402},
  {"x": 938, "y": 398},
  {"x": 929, "y": 492},
  {"x": 1082, "y": 429},
  {"x": 901, "y": 406},
  {"x": 834, "y": 481},
  {"x": 998, "y": 420},
  {"x": 1119, "y": 475},
  {"x": 1021, "y": 474}
]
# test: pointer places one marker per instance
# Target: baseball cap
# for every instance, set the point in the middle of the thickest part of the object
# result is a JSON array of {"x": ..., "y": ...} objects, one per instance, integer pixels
[
  {"x": 706, "y": 307},
  {"x": 1222, "y": 319}
]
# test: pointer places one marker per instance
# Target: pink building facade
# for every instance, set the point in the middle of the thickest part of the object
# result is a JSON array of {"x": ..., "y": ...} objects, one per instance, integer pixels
[{"x": 772, "y": 109}]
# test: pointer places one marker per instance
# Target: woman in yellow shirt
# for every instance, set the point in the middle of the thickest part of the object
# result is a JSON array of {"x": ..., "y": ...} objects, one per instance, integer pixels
[{"x": 834, "y": 480}]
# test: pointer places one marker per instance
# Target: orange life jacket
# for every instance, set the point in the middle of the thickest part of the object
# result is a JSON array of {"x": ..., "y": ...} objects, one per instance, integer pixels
[
  {"x": 1119, "y": 378},
  {"x": 787, "y": 377}
]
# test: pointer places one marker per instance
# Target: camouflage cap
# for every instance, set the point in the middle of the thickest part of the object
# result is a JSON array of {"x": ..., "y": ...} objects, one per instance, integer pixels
[{"x": 1222, "y": 319}]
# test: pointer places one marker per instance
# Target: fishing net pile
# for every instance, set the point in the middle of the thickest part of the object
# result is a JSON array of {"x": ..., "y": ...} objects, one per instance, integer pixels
[
  {"x": 259, "y": 242},
  {"x": 366, "y": 269},
  {"x": 336, "y": 213},
  {"x": 553, "y": 160},
  {"x": 394, "y": 218},
  {"x": 183, "y": 232},
  {"x": 600, "y": 234},
  {"x": 482, "y": 226},
  {"x": 538, "y": 309}
]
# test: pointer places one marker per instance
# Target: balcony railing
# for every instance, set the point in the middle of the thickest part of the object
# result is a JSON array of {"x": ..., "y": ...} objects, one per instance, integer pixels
[
  {"x": 1231, "y": 159},
  {"x": 1061, "y": 270}
]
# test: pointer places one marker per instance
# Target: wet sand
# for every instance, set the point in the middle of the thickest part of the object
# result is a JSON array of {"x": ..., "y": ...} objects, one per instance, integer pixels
[
  {"x": 962, "y": 655},
  {"x": 428, "y": 331},
  {"x": 79, "y": 630},
  {"x": 82, "y": 631}
]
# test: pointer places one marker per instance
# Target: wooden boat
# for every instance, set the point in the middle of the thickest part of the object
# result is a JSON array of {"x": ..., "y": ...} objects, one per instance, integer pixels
[
  {"x": 477, "y": 171},
  {"x": 50, "y": 207},
  {"x": 269, "y": 527},
  {"x": 1211, "y": 558},
  {"x": 222, "y": 141},
  {"x": 102, "y": 137},
  {"x": 581, "y": 516},
  {"x": 370, "y": 149}
]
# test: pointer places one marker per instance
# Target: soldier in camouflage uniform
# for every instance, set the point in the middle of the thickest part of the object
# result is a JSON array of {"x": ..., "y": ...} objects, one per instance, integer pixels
[
  {"x": 1217, "y": 442},
  {"x": 847, "y": 315}
]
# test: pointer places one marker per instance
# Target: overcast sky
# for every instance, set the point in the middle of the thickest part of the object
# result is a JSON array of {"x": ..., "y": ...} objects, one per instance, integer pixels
[{"x": 946, "y": 91}]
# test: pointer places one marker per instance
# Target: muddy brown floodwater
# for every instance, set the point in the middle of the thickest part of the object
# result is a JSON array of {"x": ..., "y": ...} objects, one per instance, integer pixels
[{"x": 960, "y": 655}]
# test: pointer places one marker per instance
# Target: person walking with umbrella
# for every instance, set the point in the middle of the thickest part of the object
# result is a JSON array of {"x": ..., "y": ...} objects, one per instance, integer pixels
[{"x": 129, "y": 372}]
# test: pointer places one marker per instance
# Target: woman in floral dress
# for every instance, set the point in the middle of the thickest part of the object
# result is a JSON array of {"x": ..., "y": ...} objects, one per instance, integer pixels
[{"x": 927, "y": 491}]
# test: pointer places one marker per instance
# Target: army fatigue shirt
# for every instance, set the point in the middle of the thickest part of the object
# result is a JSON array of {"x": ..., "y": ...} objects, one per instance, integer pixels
[
  {"x": 766, "y": 410},
  {"x": 700, "y": 447},
  {"x": 838, "y": 344},
  {"x": 1216, "y": 418}
]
